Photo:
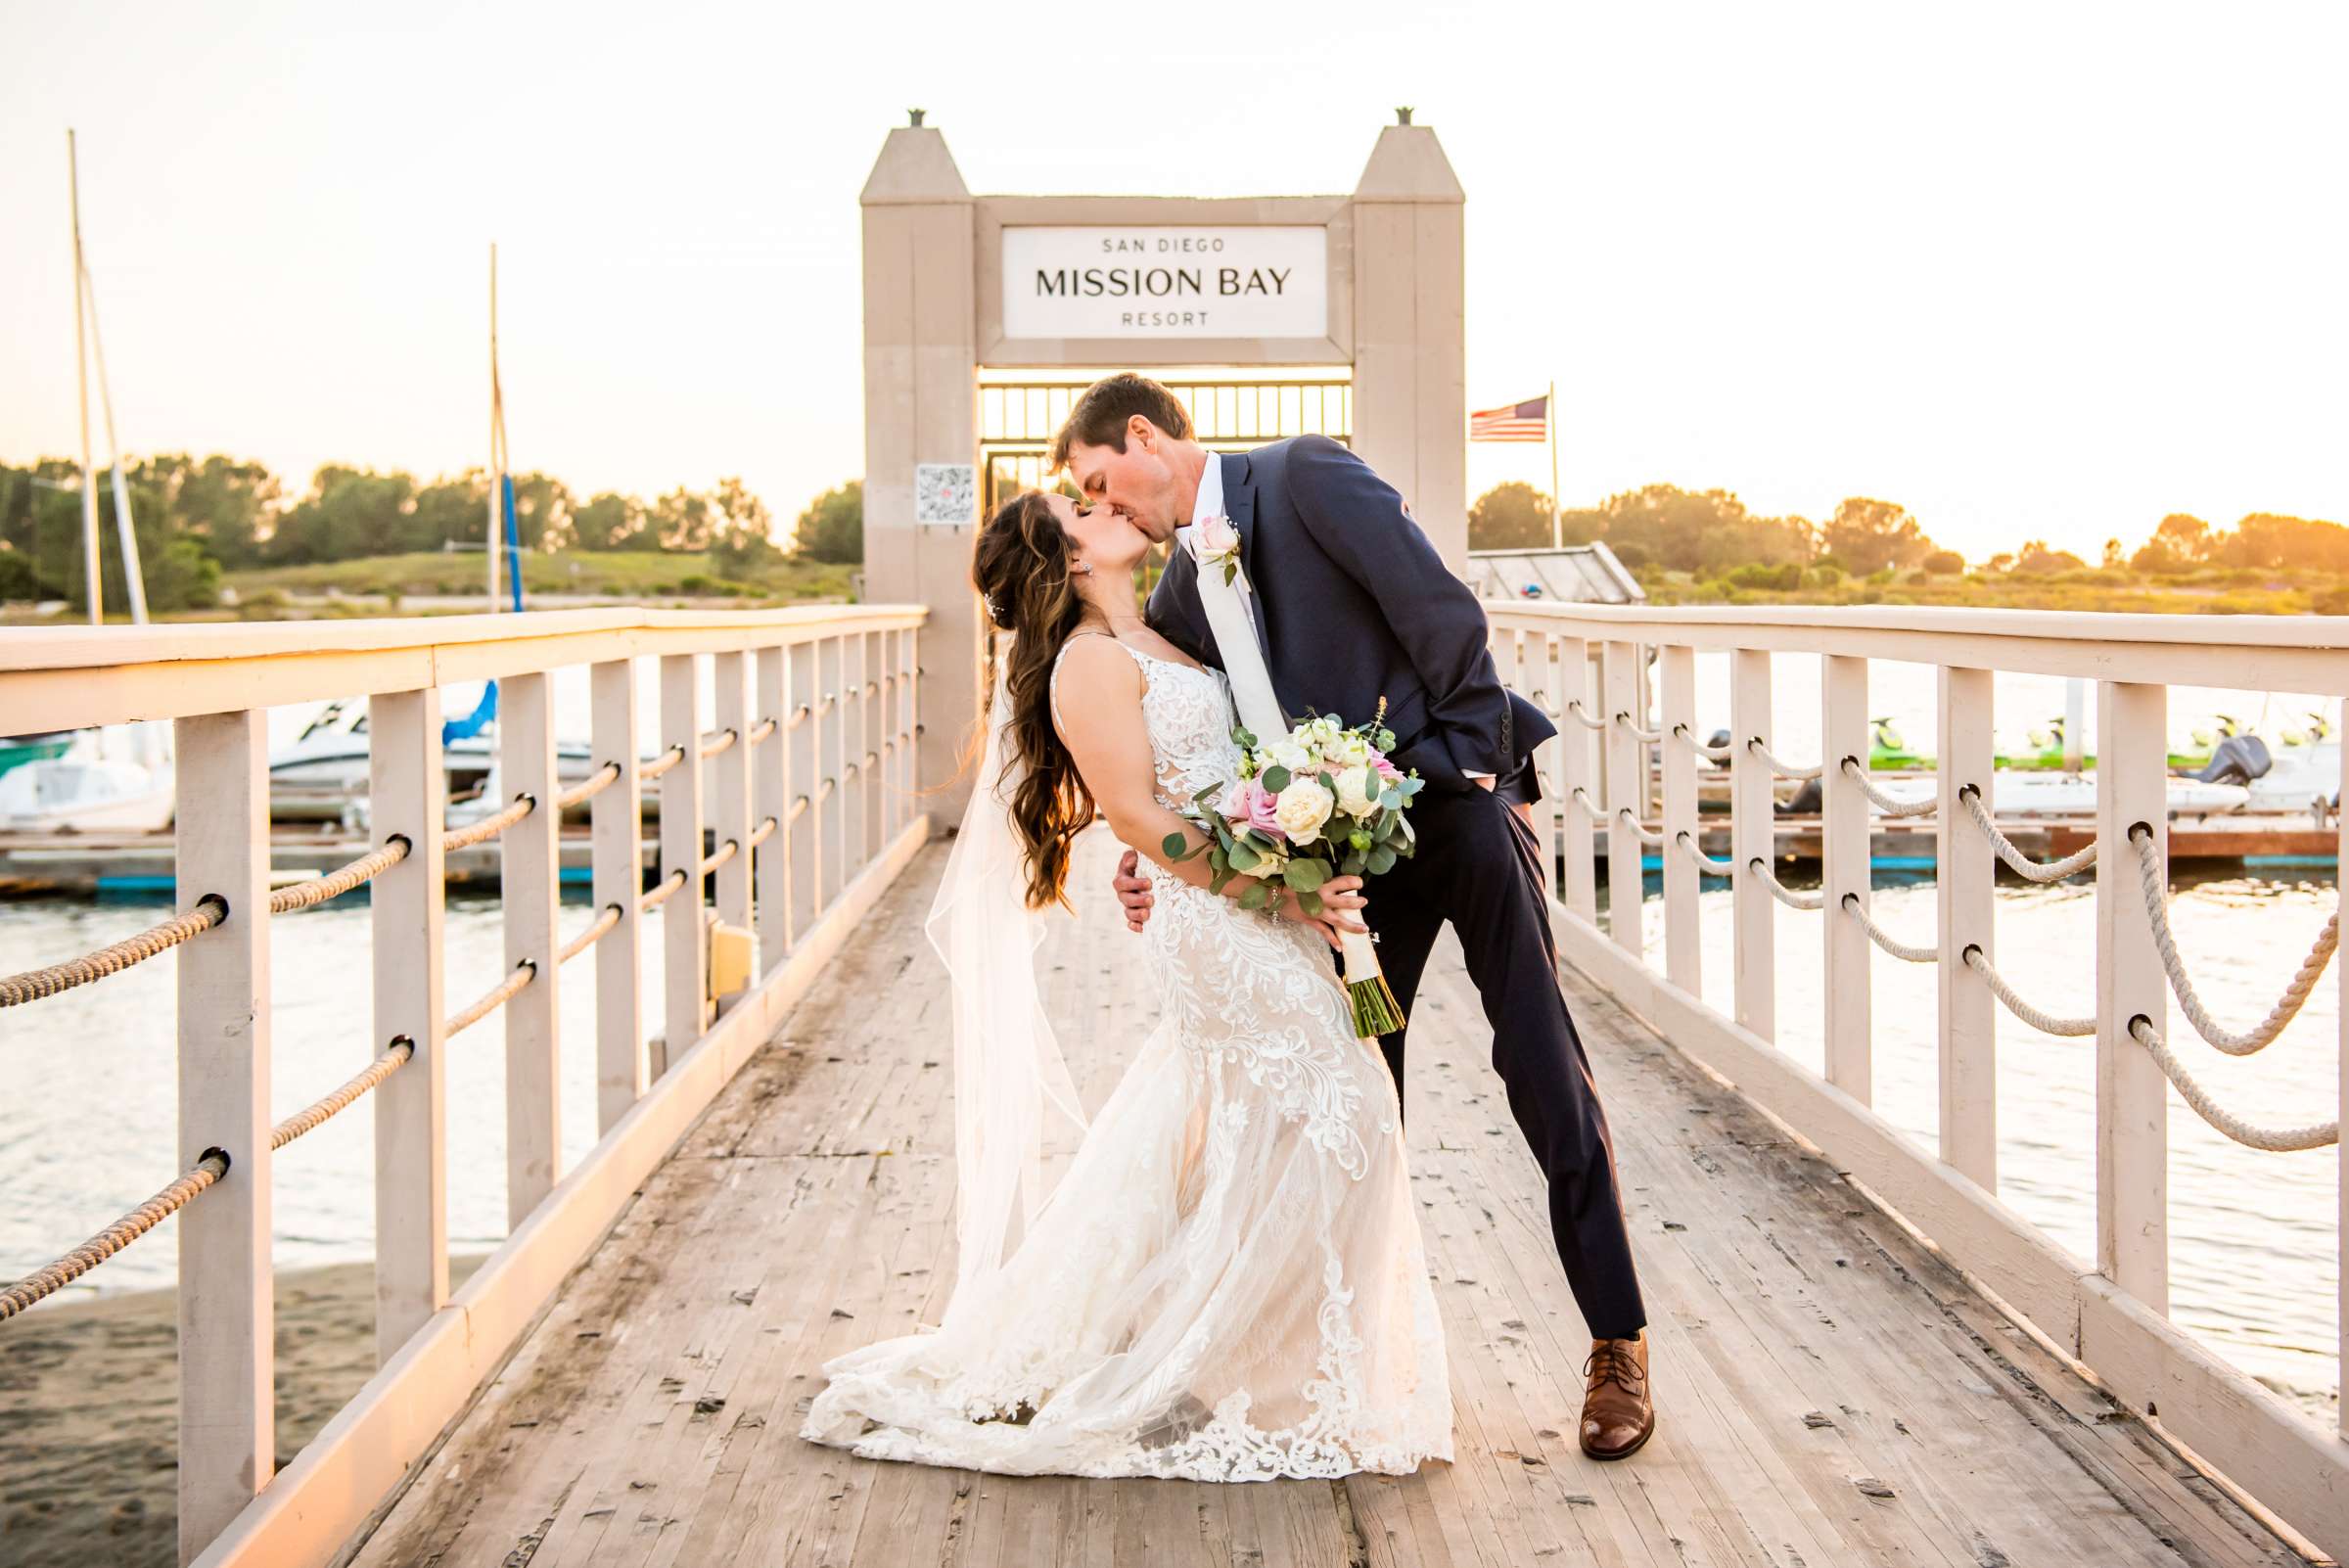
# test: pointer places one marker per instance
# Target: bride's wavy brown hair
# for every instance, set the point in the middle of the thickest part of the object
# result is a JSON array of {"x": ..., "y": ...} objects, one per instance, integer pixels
[{"x": 1021, "y": 566}]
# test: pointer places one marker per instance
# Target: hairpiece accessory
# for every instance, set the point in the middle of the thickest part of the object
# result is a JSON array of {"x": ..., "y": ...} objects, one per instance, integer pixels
[{"x": 992, "y": 613}]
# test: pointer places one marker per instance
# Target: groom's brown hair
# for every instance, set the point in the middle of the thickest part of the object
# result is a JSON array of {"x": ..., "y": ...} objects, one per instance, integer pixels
[{"x": 1099, "y": 417}]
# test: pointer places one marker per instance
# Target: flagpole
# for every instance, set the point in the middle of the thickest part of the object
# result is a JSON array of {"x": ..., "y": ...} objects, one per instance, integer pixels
[
  {"x": 1558, "y": 518},
  {"x": 494, "y": 540}
]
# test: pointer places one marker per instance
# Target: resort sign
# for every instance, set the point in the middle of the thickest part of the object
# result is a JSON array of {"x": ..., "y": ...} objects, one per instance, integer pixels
[{"x": 1165, "y": 282}]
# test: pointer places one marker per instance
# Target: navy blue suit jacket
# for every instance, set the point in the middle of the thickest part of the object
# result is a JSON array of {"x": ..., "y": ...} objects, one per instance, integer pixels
[{"x": 1354, "y": 604}]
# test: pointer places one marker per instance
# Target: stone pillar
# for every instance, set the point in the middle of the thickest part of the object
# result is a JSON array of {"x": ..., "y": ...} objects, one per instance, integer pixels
[
  {"x": 1411, "y": 408},
  {"x": 921, "y": 364}
]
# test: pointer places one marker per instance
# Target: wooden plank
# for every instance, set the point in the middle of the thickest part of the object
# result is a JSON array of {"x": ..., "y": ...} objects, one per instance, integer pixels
[
  {"x": 1626, "y": 762},
  {"x": 227, "y": 1292},
  {"x": 408, "y": 787},
  {"x": 684, "y": 938},
  {"x": 1845, "y": 874},
  {"x": 617, "y": 817},
  {"x": 529, "y": 865},
  {"x": 2133, "y": 1098},
  {"x": 1753, "y": 829},
  {"x": 1684, "y": 955},
  {"x": 1964, "y": 882}
]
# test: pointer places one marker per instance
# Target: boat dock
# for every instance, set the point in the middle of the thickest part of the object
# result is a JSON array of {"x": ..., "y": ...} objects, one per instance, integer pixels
[{"x": 1862, "y": 1355}]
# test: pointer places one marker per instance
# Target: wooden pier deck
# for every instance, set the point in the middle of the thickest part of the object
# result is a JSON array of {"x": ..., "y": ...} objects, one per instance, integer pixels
[{"x": 1831, "y": 1392}]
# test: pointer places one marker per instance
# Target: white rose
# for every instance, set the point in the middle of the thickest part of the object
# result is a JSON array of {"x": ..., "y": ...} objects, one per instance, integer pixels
[
  {"x": 1303, "y": 807},
  {"x": 1291, "y": 756},
  {"x": 1356, "y": 788}
]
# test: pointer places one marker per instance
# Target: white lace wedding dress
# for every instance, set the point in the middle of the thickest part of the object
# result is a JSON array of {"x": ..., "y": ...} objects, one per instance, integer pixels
[{"x": 1229, "y": 1283}]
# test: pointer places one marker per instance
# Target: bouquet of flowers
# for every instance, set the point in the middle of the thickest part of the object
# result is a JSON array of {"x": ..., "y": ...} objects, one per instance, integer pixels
[{"x": 1320, "y": 802}]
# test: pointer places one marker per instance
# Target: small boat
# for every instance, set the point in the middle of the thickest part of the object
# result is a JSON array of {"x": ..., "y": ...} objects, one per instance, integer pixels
[
  {"x": 112, "y": 780},
  {"x": 1888, "y": 752},
  {"x": 322, "y": 770},
  {"x": 16, "y": 750},
  {"x": 2031, "y": 793}
]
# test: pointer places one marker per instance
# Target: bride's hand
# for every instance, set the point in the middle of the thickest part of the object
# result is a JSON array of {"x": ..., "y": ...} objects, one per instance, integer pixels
[{"x": 1339, "y": 895}]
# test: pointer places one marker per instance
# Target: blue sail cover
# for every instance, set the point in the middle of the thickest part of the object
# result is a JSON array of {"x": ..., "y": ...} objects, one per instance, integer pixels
[{"x": 473, "y": 724}]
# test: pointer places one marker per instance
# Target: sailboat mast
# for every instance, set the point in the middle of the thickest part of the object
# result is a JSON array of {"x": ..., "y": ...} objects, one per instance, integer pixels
[
  {"x": 95, "y": 584},
  {"x": 134, "y": 577},
  {"x": 495, "y": 537}
]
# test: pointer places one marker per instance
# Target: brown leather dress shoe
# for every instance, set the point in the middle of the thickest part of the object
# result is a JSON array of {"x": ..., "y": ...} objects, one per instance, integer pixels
[{"x": 1618, "y": 1417}]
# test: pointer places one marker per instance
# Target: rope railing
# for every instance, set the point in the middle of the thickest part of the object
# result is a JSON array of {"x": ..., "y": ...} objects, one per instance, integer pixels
[
  {"x": 2030, "y": 870},
  {"x": 1648, "y": 736},
  {"x": 798, "y": 809},
  {"x": 590, "y": 787},
  {"x": 720, "y": 856},
  {"x": 1883, "y": 801},
  {"x": 1782, "y": 892},
  {"x": 315, "y": 1115},
  {"x": 593, "y": 934},
  {"x": 1640, "y": 830},
  {"x": 712, "y": 745},
  {"x": 35, "y": 984},
  {"x": 1581, "y": 798},
  {"x": 799, "y": 717},
  {"x": 1719, "y": 753},
  {"x": 649, "y": 902},
  {"x": 1885, "y": 939},
  {"x": 1782, "y": 769},
  {"x": 2045, "y": 1023},
  {"x": 762, "y": 729},
  {"x": 310, "y": 894},
  {"x": 113, "y": 1238},
  {"x": 489, "y": 827},
  {"x": 660, "y": 765},
  {"x": 2295, "y": 995},
  {"x": 523, "y": 973},
  {"x": 1574, "y": 710},
  {"x": 2271, "y": 1140},
  {"x": 762, "y": 832},
  {"x": 1704, "y": 862}
]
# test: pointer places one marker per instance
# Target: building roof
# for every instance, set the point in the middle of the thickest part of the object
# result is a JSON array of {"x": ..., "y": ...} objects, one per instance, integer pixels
[{"x": 1579, "y": 574}]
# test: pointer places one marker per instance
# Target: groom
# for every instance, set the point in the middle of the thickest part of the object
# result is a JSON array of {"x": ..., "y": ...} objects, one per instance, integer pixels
[{"x": 1351, "y": 604}]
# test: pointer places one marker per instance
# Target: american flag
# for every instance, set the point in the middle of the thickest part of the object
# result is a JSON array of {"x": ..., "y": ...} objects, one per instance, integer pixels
[{"x": 1519, "y": 422}]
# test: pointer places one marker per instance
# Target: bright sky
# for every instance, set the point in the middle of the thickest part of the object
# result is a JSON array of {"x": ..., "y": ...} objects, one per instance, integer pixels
[{"x": 2031, "y": 269}]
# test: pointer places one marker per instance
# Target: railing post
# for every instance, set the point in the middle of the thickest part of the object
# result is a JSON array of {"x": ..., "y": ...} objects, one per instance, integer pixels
[
  {"x": 1627, "y": 791},
  {"x": 1847, "y": 844},
  {"x": 1683, "y": 958},
  {"x": 2340, "y": 906},
  {"x": 1753, "y": 836},
  {"x": 852, "y": 728},
  {"x": 910, "y": 686},
  {"x": 1549, "y": 765},
  {"x": 1966, "y": 881},
  {"x": 803, "y": 848},
  {"x": 730, "y": 789},
  {"x": 870, "y": 712},
  {"x": 227, "y": 1403},
  {"x": 616, "y": 813},
  {"x": 530, "y": 867},
  {"x": 685, "y": 942},
  {"x": 2132, "y": 1141},
  {"x": 771, "y": 796},
  {"x": 830, "y": 792},
  {"x": 1580, "y": 872},
  {"x": 408, "y": 791}
]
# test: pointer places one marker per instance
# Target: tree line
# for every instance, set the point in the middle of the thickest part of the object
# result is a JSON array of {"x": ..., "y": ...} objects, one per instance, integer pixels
[
  {"x": 1711, "y": 534},
  {"x": 197, "y": 517}
]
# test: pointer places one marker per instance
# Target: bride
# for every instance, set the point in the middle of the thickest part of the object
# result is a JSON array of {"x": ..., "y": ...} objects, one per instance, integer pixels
[{"x": 1227, "y": 1284}]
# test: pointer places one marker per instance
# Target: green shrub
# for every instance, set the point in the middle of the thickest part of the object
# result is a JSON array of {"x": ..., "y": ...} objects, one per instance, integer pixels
[{"x": 1943, "y": 563}]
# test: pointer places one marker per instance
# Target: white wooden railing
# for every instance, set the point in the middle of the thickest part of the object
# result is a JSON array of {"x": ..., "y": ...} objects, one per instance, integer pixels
[
  {"x": 806, "y": 783},
  {"x": 1586, "y": 667}
]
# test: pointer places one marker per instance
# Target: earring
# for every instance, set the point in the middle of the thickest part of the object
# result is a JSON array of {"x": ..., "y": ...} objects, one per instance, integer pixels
[{"x": 1083, "y": 568}]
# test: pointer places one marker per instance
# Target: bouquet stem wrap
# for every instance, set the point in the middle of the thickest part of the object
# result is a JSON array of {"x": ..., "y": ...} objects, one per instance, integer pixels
[{"x": 1376, "y": 1012}]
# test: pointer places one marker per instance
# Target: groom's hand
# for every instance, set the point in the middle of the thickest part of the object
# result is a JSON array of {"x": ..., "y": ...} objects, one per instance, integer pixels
[{"x": 1133, "y": 889}]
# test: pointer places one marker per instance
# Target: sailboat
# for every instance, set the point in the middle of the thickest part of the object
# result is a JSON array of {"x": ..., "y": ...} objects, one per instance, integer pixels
[
  {"x": 323, "y": 772},
  {"x": 119, "y": 778}
]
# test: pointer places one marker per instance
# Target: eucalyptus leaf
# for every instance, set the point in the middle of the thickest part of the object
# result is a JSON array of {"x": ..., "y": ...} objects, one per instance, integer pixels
[
  {"x": 1256, "y": 896},
  {"x": 1381, "y": 860},
  {"x": 1275, "y": 779}
]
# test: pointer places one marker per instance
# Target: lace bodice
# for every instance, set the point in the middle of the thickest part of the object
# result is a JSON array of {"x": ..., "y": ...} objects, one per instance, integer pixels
[{"x": 1189, "y": 714}]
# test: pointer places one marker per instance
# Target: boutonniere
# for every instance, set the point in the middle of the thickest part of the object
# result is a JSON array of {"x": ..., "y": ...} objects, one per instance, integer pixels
[{"x": 1216, "y": 543}]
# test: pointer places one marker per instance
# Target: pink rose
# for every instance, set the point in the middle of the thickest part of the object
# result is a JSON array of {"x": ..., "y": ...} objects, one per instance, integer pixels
[
  {"x": 1249, "y": 805},
  {"x": 1387, "y": 771},
  {"x": 1214, "y": 538}
]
